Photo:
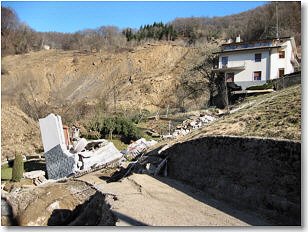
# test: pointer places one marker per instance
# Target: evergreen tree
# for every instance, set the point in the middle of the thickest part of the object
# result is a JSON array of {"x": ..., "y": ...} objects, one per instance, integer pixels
[{"x": 18, "y": 168}]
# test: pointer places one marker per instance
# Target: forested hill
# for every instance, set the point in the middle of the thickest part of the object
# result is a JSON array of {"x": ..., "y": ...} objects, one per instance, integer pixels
[{"x": 259, "y": 23}]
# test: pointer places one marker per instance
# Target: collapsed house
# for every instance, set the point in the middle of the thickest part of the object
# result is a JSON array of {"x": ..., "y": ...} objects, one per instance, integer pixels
[{"x": 64, "y": 159}]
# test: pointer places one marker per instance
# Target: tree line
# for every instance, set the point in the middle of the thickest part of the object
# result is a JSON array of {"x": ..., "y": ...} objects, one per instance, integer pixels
[
  {"x": 259, "y": 23},
  {"x": 156, "y": 31}
]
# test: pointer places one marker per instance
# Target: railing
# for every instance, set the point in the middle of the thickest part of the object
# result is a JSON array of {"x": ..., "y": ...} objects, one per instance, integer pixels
[
  {"x": 230, "y": 65},
  {"x": 246, "y": 45}
]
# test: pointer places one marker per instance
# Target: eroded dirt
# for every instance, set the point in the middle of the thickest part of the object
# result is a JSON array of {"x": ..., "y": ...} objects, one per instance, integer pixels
[{"x": 63, "y": 203}]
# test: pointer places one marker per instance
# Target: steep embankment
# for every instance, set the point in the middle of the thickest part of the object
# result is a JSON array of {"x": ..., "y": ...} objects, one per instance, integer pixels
[
  {"x": 252, "y": 173},
  {"x": 19, "y": 133},
  {"x": 144, "y": 77},
  {"x": 277, "y": 115},
  {"x": 38, "y": 83}
]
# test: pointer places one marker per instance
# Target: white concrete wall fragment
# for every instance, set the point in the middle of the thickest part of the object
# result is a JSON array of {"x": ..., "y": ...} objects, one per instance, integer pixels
[
  {"x": 51, "y": 131},
  {"x": 103, "y": 155}
]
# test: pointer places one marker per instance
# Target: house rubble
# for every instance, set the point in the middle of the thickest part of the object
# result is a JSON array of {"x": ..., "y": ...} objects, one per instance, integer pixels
[
  {"x": 138, "y": 147},
  {"x": 64, "y": 159},
  {"x": 193, "y": 123}
]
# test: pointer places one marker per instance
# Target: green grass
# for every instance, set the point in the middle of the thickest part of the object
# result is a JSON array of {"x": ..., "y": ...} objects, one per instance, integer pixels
[
  {"x": 32, "y": 165},
  {"x": 6, "y": 172}
]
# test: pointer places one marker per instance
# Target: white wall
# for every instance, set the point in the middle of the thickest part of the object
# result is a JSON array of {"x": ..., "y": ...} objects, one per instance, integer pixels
[
  {"x": 51, "y": 131},
  {"x": 269, "y": 65},
  {"x": 277, "y": 63},
  {"x": 247, "y": 58}
]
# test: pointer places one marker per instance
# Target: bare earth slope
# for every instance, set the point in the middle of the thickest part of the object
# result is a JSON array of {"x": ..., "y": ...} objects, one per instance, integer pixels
[
  {"x": 145, "y": 77},
  {"x": 19, "y": 133},
  {"x": 42, "y": 82}
]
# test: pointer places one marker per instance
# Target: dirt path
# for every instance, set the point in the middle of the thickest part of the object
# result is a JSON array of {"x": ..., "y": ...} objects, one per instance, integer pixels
[{"x": 143, "y": 200}]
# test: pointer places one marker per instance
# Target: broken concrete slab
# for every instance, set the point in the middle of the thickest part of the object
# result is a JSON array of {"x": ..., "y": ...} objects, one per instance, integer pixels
[
  {"x": 51, "y": 131},
  {"x": 86, "y": 155},
  {"x": 34, "y": 174},
  {"x": 138, "y": 147}
]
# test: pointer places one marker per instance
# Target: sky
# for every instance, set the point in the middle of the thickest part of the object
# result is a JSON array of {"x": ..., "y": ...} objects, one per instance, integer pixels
[{"x": 72, "y": 16}]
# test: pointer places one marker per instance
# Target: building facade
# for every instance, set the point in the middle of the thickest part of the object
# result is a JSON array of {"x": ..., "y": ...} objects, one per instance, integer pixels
[{"x": 253, "y": 63}]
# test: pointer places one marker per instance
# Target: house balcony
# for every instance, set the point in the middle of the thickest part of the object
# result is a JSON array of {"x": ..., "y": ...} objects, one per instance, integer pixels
[{"x": 229, "y": 68}]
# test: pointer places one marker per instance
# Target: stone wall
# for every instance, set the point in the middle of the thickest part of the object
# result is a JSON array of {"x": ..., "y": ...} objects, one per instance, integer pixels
[
  {"x": 287, "y": 80},
  {"x": 262, "y": 175}
]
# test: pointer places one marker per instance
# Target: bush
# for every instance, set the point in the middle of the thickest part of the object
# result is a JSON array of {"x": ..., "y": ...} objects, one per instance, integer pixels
[
  {"x": 119, "y": 125},
  {"x": 261, "y": 87},
  {"x": 18, "y": 168},
  {"x": 141, "y": 116},
  {"x": 93, "y": 135}
]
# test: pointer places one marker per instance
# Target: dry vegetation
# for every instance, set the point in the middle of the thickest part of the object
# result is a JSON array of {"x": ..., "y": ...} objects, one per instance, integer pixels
[
  {"x": 254, "y": 24},
  {"x": 19, "y": 133},
  {"x": 275, "y": 115},
  {"x": 77, "y": 85},
  {"x": 104, "y": 71}
]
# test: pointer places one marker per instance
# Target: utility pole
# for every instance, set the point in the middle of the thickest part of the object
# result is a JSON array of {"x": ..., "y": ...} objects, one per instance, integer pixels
[
  {"x": 277, "y": 28},
  {"x": 169, "y": 127},
  {"x": 227, "y": 97},
  {"x": 167, "y": 111},
  {"x": 114, "y": 89}
]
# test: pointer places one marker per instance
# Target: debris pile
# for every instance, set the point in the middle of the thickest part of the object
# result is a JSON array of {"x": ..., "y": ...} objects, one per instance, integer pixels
[
  {"x": 38, "y": 176},
  {"x": 65, "y": 158},
  {"x": 138, "y": 147},
  {"x": 193, "y": 123},
  {"x": 151, "y": 163}
]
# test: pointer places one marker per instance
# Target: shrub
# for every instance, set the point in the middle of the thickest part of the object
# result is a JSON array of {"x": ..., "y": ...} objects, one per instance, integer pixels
[
  {"x": 119, "y": 125},
  {"x": 141, "y": 116},
  {"x": 93, "y": 135},
  {"x": 261, "y": 87},
  {"x": 18, "y": 168}
]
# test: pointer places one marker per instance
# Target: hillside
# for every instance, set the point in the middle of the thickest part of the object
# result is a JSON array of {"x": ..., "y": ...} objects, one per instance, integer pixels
[
  {"x": 144, "y": 78},
  {"x": 254, "y": 24},
  {"x": 276, "y": 115},
  {"x": 19, "y": 132},
  {"x": 273, "y": 115},
  {"x": 75, "y": 84}
]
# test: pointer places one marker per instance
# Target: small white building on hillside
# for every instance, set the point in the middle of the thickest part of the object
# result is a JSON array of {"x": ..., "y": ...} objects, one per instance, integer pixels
[{"x": 253, "y": 63}]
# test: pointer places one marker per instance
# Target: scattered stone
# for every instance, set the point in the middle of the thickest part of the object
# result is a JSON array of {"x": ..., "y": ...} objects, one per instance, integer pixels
[{"x": 194, "y": 122}]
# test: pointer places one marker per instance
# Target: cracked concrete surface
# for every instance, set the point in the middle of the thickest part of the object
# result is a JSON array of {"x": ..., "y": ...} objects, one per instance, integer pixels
[{"x": 143, "y": 200}]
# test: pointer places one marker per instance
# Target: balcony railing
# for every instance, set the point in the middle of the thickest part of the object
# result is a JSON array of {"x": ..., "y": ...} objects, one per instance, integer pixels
[{"x": 246, "y": 45}]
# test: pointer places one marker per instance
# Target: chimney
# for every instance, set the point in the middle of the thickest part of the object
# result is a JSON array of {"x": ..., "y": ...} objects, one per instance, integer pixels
[{"x": 238, "y": 39}]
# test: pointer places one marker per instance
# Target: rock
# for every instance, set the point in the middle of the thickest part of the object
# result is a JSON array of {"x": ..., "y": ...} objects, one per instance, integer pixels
[
  {"x": 39, "y": 180},
  {"x": 60, "y": 203},
  {"x": 6, "y": 210},
  {"x": 34, "y": 174}
]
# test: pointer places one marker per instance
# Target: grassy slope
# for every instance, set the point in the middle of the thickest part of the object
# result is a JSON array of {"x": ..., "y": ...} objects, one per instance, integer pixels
[{"x": 277, "y": 114}]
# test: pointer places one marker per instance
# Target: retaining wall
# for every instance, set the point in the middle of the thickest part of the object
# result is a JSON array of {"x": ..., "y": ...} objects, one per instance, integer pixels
[
  {"x": 263, "y": 175},
  {"x": 287, "y": 81}
]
